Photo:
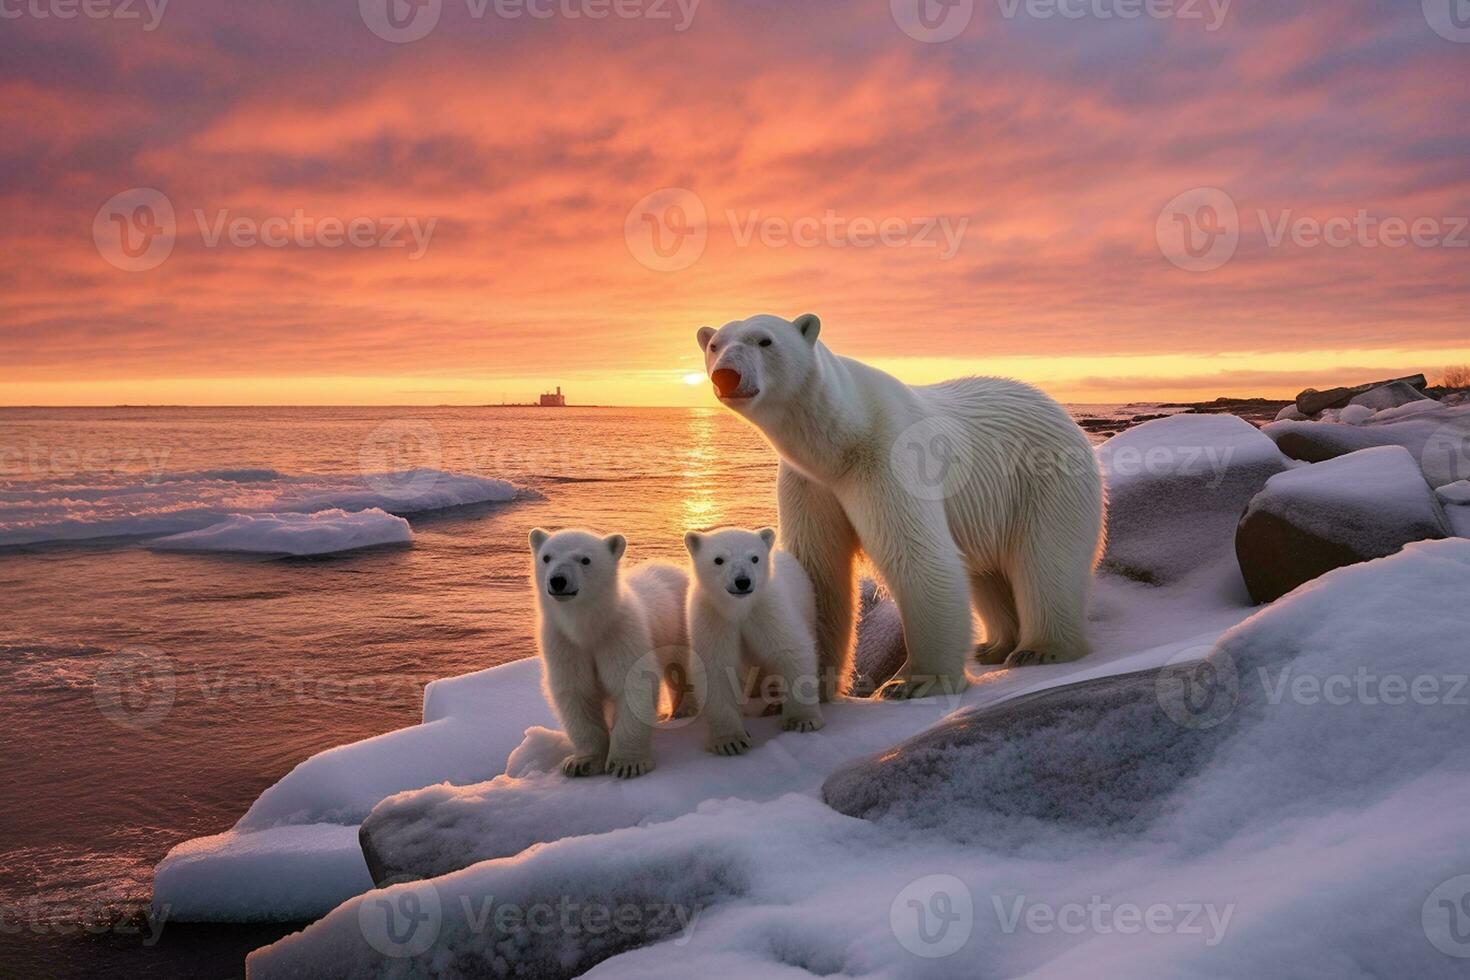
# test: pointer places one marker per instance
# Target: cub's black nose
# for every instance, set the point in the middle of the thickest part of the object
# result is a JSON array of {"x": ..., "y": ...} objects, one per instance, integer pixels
[
  {"x": 558, "y": 583},
  {"x": 742, "y": 583},
  {"x": 727, "y": 382}
]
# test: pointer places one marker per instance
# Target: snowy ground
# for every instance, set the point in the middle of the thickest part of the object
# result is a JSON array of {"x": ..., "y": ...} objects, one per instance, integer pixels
[
  {"x": 1322, "y": 834},
  {"x": 320, "y": 533}
]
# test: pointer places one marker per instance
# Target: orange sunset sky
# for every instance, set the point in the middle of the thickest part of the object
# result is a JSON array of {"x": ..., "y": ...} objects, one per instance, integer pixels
[{"x": 530, "y": 152}]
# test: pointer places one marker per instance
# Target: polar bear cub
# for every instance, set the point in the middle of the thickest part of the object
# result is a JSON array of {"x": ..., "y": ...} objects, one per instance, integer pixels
[
  {"x": 751, "y": 607},
  {"x": 602, "y": 636}
]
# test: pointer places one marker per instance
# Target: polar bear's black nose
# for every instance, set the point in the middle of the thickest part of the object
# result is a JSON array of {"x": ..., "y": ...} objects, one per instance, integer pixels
[
  {"x": 558, "y": 583},
  {"x": 743, "y": 584},
  {"x": 727, "y": 381}
]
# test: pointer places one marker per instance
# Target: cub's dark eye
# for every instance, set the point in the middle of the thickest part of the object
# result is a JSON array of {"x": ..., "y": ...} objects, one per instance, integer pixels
[
  {"x": 546, "y": 559},
  {"x": 719, "y": 561},
  {"x": 586, "y": 561},
  {"x": 755, "y": 559},
  {"x": 766, "y": 342}
]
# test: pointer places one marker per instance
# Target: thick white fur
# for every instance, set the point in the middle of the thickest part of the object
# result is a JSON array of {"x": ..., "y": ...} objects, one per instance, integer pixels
[
  {"x": 1018, "y": 540},
  {"x": 608, "y": 647},
  {"x": 768, "y": 627}
]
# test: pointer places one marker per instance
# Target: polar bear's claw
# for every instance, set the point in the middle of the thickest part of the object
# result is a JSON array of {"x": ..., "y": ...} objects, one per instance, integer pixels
[
  {"x": 581, "y": 765},
  {"x": 732, "y": 745},
  {"x": 629, "y": 768},
  {"x": 802, "y": 724}
]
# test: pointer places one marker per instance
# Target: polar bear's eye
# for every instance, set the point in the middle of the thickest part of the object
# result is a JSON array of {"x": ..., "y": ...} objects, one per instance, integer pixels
[
  {"x": 719, "y": 561},
  {"x": 755, "y": 559},
  {"x": 765, "y": 341},
  {"x": 586, "y": 561},
  {"x": 546, "y": 559}
]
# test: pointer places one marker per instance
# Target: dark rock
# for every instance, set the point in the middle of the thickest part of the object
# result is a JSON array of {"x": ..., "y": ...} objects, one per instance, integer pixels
[
  {"x": 880, "y": 650},
  {"x": 1098, "y": 756},
  {"x": 1391, "y": 395},
  {"x": 1355, "y": 508},
  {"x": 1312, "y": 401}
]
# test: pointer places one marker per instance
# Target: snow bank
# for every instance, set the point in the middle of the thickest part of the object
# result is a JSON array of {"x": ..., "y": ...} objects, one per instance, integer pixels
[
  {"x": 320, "y": 533},
  {"x": 1339, "y": 818},
  {"x": 1455, "y": 498},
  {"x": 33, "y": 512},
  {"x": 306, "y": 824}
]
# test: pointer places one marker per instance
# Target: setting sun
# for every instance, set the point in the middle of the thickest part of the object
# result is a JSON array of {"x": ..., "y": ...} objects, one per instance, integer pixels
[{"x": 693, "y": 378}]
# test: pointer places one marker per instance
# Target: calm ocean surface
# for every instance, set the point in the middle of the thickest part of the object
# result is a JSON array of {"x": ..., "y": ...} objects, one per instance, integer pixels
[{"x": 272, "y": 660}]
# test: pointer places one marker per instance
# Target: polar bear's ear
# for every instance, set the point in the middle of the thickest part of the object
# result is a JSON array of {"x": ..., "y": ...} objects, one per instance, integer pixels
[
  {"x": 706, "y": 334},
  {"x": 538, "y": 538},
  {"x": 768, "y": 535},
  {"x": 810, "y": 325},
  {"x": 616, "y": 545},
  {"x": 692, "y": 541}
]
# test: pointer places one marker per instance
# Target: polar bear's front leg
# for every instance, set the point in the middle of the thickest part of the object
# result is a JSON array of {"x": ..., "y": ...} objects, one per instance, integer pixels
[
  {"x": 816, "y": 531},
  {"x": 635, "y": 710},
  {"x": 925, "y": 574},
  {"x": 717, "y": 650}
]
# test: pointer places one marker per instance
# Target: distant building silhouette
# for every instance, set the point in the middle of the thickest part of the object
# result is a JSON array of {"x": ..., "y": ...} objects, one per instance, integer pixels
[{"x": 554, "y": 400}]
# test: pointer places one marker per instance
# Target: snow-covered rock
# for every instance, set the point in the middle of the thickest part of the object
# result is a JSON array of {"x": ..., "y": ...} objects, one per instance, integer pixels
[
  {"x": 1312, "y": 519},
  {"x": 1455, "y": 499},
  {"x": 150, "y": 505},
  {"x": 1391, "y": 395},
  {"x": 1331, "y": 807},
  {"x": 1436, "y": 434},
  {"x": 1097, "y": 758},
  {"x": 1176, "y": 488},
  {"x": 321, "y": 533}
]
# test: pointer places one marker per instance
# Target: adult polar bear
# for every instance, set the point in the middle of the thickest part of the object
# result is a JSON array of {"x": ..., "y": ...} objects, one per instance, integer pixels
[{"x": 978, "y": 490}]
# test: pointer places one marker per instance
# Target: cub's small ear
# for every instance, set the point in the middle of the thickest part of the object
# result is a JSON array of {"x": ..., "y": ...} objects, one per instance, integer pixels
[
  {"x": 706, "y": 334},
  {"x": 768, "y": 535},
  {"x": 810, "y": 325},
  {"x": 616, "y": 545},
  {"x": 692, "y": 541},
  {"x": 538, "y": 538}
]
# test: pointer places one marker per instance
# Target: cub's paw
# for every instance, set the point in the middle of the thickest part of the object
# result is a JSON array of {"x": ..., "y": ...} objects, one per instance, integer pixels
[
  {"x": 803, "y": 723},
  {"x": 581, "y": 765},
  {"x": 730, "y": 744},
  {"x": 628, "y": 767}
]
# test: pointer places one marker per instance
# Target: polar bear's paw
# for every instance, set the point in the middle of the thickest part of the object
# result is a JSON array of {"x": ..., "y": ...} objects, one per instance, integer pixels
[
  {"x": 730, "y": 744},
  {"x": 800, "y": 723},
  {"x": 582, "y": 765},
  {"x": 1033, "y": 658},
  {"x": 992, "y": 654},
  {"x": 919, "y": 686},
  {"x": 629, "y": 767}
]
